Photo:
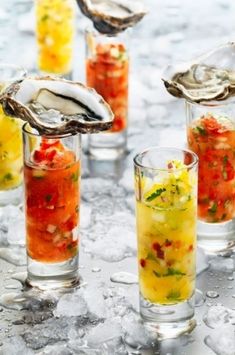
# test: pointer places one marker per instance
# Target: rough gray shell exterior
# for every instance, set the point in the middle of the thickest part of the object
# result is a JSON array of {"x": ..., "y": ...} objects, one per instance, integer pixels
[
  {"x": 210, "y": 77},
  {"x": 72, "y": 124},
  {"x": 110, "y": 22}
]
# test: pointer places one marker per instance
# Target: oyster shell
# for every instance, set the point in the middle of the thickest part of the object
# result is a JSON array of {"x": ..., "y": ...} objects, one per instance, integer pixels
[
  {"x": 208, "y": 78},
  {"x": 112, "y": 16},
  {"x": 57, "y": 106}
]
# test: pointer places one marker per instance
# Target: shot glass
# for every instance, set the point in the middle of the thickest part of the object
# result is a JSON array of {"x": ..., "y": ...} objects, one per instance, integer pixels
[
  {"x": 55, "y": 31},
  {"x": 166, "y": 215},
  {"x": 11, "y": 143},
  {"x": 52, "y": 181},
  {"x": 107, "y": 71},
  {"x": 211, "y": 135}
]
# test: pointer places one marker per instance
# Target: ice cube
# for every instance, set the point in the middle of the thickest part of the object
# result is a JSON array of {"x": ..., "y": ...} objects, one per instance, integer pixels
[
  {"x": 104, "y": 332},
  {"x": 15, "y": 256},
  {"x": 55, "y": 350},
  {"x": 224, "y": 264},
  {"x": 136, "y": 334},
  {"x": 216, "y": 316},
  {"x": 49, "y": 332},
  {"x": 93, "y": 296},
  {"x": 16, "y": 346},
  {"x": 222, "y": 340},
  {"x": 85, "y": 216},
  {"x": 16, "y": 231},
  {"x": 71, "y": 304}
]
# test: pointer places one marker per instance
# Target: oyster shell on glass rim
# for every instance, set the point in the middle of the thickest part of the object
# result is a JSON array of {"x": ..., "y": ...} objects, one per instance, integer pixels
[
  {"x": 112, "y": 16},
  {"x": 210, "y": 77},
  {"x": 57, "y": 106}
]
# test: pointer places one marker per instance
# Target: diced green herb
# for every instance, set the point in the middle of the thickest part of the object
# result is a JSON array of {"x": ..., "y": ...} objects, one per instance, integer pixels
[
  {"x": 8, "y": 177},
  {"x": 48, "y": 198},
  {"x": 201, "y": 131},
  {"x": 157, "y": 273},
  {"x": 74, "y": 176},
  {"x": 77, "y": 209},
  {"x": 45, "y": 17},
  {"x": 177, "y": 189},
  {"x": 155, "y": 194},
  {"x": 173, "y": 295},
  {"x": 172, "y": 272},
  {"x": 225, "y": 159},
  {"x": 213, "y": 208},
  {"x": 150, "y": 256}
]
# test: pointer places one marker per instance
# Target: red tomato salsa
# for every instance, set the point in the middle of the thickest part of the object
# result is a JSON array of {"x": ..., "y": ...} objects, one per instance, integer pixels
[
  {"x": 52, "y": 197},
  {"x": 212, "y": 138},
  {"x": 107, "y": 73}
]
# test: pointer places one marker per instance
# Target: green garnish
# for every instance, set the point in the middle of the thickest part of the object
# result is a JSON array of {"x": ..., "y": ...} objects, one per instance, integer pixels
[
  {"x": 74, "y": 177},
  {"x": 213, "y": 208},
  {"x": 77, "y": 209},
  {"x": 150, "y": 256},
  {"x": 177, "y": 189},
  {"x": 201, "y": 131},
  {"x": 45, "y": 17},
  {"x": 48, "y": 198},
  {"x": 170, "y": 272},
  {"x": 157, "y": 273},
  {"x": 8, "y": 177},
  {"x": 225, "y": 159},
  {"x": 155, "y": 194},
  {"x": 173, "y": 295}
]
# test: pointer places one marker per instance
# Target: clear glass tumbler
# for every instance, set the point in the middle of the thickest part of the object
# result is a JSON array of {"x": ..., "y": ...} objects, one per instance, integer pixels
[
  {"x": 211, "y": 135},
  {"x": 11, "y": 145},
  {"x": 166, "y": 215},
  {"x": 55, "y": 31},
  {"x": 107, "y": 71},
  {"x": 52, "y": 180}
]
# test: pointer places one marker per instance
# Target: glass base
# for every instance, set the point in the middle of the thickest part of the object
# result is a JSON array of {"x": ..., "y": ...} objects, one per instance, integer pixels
[
  {"x": 11, "y": 197},
  {"x": 216, "y": 237},
  {"x": 53, "y": 275},
  {"x": 168, "y": 321},
  {"x": 107, "y": 146}
]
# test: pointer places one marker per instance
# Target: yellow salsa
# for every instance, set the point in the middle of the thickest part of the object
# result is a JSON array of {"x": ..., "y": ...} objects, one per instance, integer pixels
[
  {"x": 166, "y": 228},
  {"x": 55, "y": 31}
]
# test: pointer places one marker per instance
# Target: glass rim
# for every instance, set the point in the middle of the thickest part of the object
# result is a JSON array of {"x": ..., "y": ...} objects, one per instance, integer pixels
[
  {"x": 17, "y": 68},
  {"x": 158, "y": 148},
  {"x": 212, "y": 103},
  {"x": 93, "y": 30},
  {"x": 54, "y": 136}
]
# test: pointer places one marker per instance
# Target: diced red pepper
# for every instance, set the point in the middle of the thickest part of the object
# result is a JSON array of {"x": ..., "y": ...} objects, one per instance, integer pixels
[{"x": 142, "y": 262}]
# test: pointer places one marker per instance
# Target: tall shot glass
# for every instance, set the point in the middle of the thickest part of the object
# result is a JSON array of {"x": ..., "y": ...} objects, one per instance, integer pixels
[
  {"x": 52, "y": 179},
  {"x": 11, "y": 145},
  {"x": 107, "y": 71},
  {"x": 166, "y": 214},
  {"x": 211, "y": 135}
]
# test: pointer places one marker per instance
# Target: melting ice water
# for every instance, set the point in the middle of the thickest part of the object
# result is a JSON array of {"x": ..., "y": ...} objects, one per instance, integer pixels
[
  {"x": 212, "y": 294},
  {"x": 124, "y": 278}
]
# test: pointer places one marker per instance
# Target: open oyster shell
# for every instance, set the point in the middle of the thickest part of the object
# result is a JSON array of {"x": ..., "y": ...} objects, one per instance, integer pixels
[
  {"x": 57, "y": 106},
  {"x": 112, "y": 16},
  {"x": 208, "y": 78}
]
